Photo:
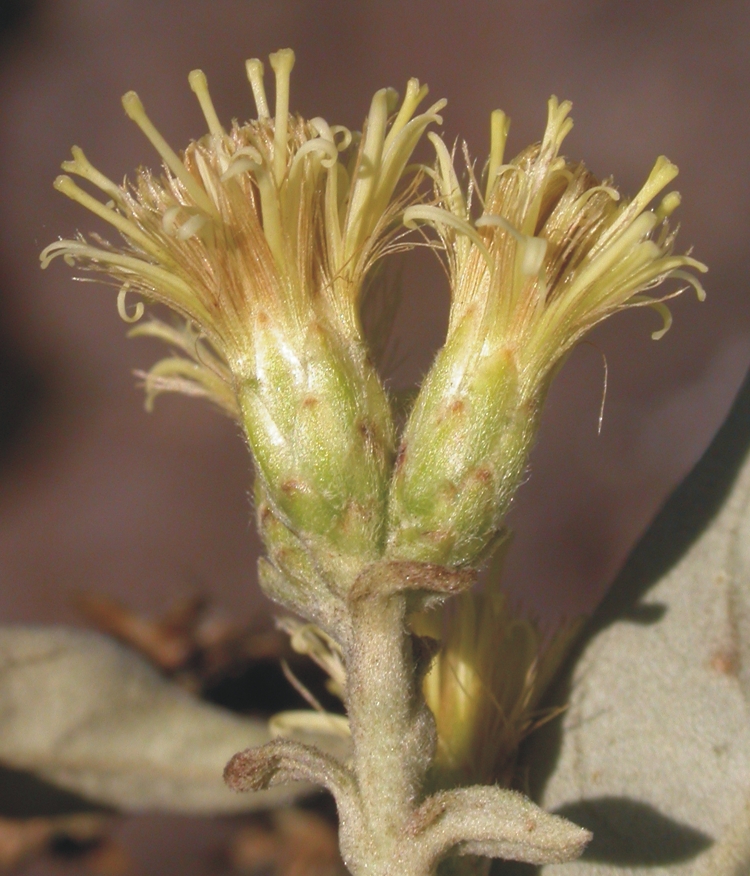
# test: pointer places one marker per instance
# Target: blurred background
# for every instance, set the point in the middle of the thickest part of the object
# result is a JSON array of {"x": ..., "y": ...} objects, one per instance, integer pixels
[{"x": 95, "y": 495}]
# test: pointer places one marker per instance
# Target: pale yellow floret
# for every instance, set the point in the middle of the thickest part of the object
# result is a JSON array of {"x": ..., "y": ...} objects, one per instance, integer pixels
[
  {"x": 81, "y": 166},
  {"x": 278, "y": 218},
  {"x": 282, "y": 63},
  {"x": 135, "y": 111},
  {"x": 254, "y": 70},
  {"x": 199, "y": 85},
  {"x": 499, "y": 127},
  {"x": 122, "y": 309},
  {"x": 176, "y": 374},
  {"x": 449, "y": 185},
  {"x": 66, "y": 185},
  {"x": 485, "y": 684},
  {"x": 546, "y": 255},
  {"x": 553, "y": 251},
  {"x": 668, "y": 205},
  {"x": 165, "y": 285},
  {"x": 369, "y": 159},
  {"x": 202, "y": 374}
]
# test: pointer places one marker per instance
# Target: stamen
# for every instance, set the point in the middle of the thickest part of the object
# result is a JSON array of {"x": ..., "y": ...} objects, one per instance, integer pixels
[
  {"x": 437, "y": 216},
  {"x": 368, "y": 164},
  {"x": 81, "y": 166},
  {"x": 245, "y": 159},
  {"x": 451, "y": 188},
  {"x": 171, "y": 288},
  {"x": 694, "y": 281},
  {"x": 66, "y": 185},
  {"x": 397, "y": 150},
  {"x": 272, "y": 225},
  {"x": 372, "y": 148},
  {"x": 415, "y": 94},
  {"x": 254, "y": 70},
  {"x": 169, "y": 219},
  {"x": 499, "y": 126},
  {"x": 558, "y": 124},
  {"x": 533, "y": 249},
  {"x": 317, "y": 144},
  {"x": 191, "y": 226},
  {"x": 396, "y": 153},
  {"x": 199, "y": 85},
  {"x": 669, "y": 204},
  {"x": 282, "y": 63},
  {"x": 613, "y": 248},
  {"x": 345, "y": 141},
  {"x": 134, "y": 109},
  {"x": 661, "y": 175},
  {"x": 333, "y": 218},
  {"x": 661, "y": 308},
  {"x": 121, "y": 308},
  {"x": 391, "y": 100}
]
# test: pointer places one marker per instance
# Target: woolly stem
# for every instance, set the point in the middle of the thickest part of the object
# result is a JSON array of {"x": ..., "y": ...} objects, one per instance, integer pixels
[{"x": 392, "y": 729}]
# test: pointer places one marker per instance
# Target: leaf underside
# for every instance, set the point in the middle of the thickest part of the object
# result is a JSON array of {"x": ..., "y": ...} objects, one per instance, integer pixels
[
  {"x": 91, "y": 717},
  {"x": 653, "y": 752}
]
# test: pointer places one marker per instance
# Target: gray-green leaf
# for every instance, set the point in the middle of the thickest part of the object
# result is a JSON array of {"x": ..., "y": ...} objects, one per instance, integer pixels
[
  {"x": 90, "y": 716},
  {"x": 654, "y": 751}
]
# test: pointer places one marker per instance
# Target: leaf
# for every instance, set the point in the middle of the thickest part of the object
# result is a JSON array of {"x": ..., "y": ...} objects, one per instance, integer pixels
[
  {"x": 489, "y": 821},
  {"x": 285, "y": 760},
  {"x": 653, "y": 753},
  {"x": 88, "y": 715}
]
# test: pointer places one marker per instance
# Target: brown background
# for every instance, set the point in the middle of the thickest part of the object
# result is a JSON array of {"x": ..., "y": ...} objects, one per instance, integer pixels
[{"x": 94, "y": 494}]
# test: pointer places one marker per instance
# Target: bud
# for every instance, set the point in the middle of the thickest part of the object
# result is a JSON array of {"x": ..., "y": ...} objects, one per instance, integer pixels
[
  {"x": 485, "y": 684},
  {"x": 260, "y": 238},
  {"x": 553, "y": 253}
]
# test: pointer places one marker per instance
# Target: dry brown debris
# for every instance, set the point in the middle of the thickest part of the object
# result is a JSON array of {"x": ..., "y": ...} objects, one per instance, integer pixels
[
  {"x": 184, "y": 642},
  {"x": 291, "y": 842},
  {"x": 81, "y": 838}
]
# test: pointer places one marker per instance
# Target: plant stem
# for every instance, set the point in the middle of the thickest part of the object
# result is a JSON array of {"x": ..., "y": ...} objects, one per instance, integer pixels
[{"x": 392, "y": 729}]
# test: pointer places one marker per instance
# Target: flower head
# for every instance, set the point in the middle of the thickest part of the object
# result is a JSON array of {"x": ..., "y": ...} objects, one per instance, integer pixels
[
  {"x": 485, "y": 684},
  {"x": 552, "y": 253},
  {"x": 276, "y": 219},
  {"x": 260, "y": 238}
]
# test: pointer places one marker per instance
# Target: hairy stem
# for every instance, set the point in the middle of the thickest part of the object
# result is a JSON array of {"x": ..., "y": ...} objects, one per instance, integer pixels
[{"x": 392, "y": 729}]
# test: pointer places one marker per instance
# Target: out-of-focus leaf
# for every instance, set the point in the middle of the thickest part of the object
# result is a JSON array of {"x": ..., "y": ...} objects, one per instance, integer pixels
[
  {"x": 730, "y": 856},
  {"x": 653, "y": 752},
  {"x": 88, "y": 715}
]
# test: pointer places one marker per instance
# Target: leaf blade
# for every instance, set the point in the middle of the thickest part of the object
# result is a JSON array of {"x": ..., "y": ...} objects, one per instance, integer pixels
[{"x": 92, "y": 717}]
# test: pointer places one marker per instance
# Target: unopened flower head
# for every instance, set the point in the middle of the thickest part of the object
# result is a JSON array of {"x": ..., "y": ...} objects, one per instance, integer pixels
[
  {"x": 485, "y": 684},
  {"x": 260, "y": 237},
  {"x": 552, "y": 253}
]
